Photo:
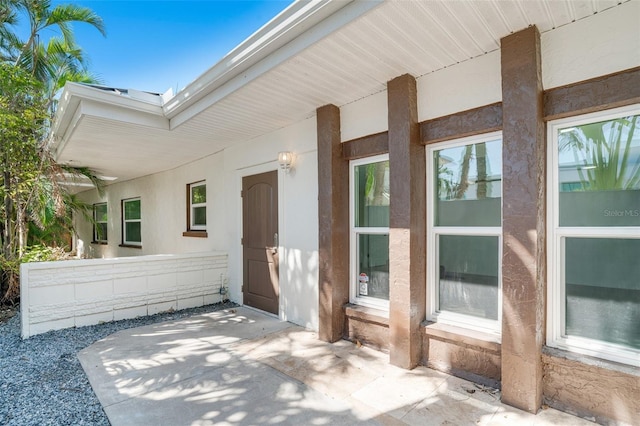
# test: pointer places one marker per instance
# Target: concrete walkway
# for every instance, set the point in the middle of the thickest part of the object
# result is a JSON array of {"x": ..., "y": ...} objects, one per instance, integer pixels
[{"x": 240, "y": 366}]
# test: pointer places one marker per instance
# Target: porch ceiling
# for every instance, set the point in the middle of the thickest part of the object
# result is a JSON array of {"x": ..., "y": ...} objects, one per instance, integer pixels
[{"x": 349, "y": 63}]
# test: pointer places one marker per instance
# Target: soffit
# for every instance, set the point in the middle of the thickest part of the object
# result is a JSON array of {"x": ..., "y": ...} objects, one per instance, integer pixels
[{"x": 397, "y": 37}]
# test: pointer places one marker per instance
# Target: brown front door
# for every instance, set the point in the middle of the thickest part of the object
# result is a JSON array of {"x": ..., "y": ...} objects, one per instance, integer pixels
[{"x": 260, "y": 241}]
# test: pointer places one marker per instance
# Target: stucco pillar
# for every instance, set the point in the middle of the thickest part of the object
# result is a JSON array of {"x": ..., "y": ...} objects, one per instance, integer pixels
[
  {"x": 523, "y": 220},
  {"x": 333, "y": 215},
  {"x": 407, "y": 224}
]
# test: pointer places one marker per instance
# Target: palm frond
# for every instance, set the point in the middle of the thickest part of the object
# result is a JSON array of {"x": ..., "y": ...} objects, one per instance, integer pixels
[
  {"x": 66, "y": 13},
  {"x": 88, "y": 173},
  {"x": 8, "y": 13}
]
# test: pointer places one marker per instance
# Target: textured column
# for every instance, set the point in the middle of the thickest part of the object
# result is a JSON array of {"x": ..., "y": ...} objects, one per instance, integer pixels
[
  {"x": 407, "y": 224},
  {"x": 523, "y": 221},
  {"x": 333, "y": 215}
]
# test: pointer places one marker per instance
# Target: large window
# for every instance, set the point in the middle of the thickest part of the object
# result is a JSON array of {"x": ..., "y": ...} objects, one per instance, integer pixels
[
  {"x": 464, "y": 232},
  {"x": 370, "y": 231},
  {"x": 594, "y": 229},
  {"x": 100, "y": 223},
  {"x": 197, "y": 212},
  {"x": 131, "y": 222}
]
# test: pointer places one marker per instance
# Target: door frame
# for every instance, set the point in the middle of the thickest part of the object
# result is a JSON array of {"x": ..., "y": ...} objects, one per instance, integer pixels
[{"x": 255, "y": 170}]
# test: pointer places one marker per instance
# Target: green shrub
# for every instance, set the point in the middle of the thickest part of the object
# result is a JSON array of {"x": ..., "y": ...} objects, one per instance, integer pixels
[{"x": 10, "y": 268}]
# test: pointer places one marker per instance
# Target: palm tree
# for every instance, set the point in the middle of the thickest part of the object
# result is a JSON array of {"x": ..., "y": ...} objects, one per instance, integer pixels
[
  {"x": 41, "y": 16},
  {"x": 32, "y": 192},
  {"x": 65, "y": 63},
  {"x": 57, "y": 61}
]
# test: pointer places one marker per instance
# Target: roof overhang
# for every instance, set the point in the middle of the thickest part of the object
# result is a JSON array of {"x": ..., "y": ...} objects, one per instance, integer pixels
[
  {"x": 82, "y": 108},
  {"x": 79, "y": 100},
  {"x": 299, "y": 26},
  {"x": 312, "y": 54}
]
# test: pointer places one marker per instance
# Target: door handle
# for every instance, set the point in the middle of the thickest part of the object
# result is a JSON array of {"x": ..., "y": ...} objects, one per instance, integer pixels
[{"x": 275, "y": 241}]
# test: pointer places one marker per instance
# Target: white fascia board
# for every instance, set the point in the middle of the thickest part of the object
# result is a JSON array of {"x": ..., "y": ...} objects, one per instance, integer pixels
[
  {"x": 60, "y": 141},
  {"x": 295, "y": 29},
  {"x": 73, "y": 93},
  {"x": 86, "y": 108},
  {"x": 72, "y": 118},
  {"x": 117, "y": 113},
  {"x": 67, "y": 105},
  {"x": 78, "y": 100}
]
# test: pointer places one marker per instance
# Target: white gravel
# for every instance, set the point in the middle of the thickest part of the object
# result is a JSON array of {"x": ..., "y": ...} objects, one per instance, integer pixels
[{"x": 41, "y": 380}]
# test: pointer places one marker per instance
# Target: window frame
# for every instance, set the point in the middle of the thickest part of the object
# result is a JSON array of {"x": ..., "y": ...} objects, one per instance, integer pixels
[
  {"x": 354, "y": 232},
  {"x": 557, "y": 235},
  {"x": 96, "y": 239},
  {"x": 191, "y": 227},
  {"x": 125, "y": 241},
  {"x": 470, "y": 322}
]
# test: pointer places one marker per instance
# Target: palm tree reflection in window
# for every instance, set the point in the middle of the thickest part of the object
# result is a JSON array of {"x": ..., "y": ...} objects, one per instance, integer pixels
[
  {"x": 454, "y": 180},
  {"x": 599, "y": 173},
  {"x": 468, "y": 194},
  {"x": 599, "y": 187},
  {"x": 604, "y": 155},
  {"x": 372, "y": 211},
  {"x": 469, "y": 185}
]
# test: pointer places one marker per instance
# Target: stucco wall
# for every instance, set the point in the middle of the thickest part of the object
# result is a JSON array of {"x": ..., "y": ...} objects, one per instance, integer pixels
[
  {"x": 602, "y": 391},
  {"x": 163, "y": 210},
  {"x": 297, "y": 216},
  {"x": 603, "y": 44},
  {"x": 163, "y": 204},
  {"x": 75, "y": 293}
]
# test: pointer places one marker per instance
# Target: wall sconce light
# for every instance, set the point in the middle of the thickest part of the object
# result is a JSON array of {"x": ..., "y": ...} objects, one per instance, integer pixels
[{"x": 285, "y": 159}]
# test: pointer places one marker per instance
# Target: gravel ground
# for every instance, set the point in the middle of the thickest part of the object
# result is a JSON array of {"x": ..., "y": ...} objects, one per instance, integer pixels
[{"x": 41, "y": 380}]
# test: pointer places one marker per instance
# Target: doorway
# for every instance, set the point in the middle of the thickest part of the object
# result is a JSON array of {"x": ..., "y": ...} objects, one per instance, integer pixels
[{"x": 260, "y": 288}]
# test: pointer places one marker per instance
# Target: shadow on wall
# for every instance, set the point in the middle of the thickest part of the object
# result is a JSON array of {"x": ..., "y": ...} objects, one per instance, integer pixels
[{"x": 301, "y": 297}]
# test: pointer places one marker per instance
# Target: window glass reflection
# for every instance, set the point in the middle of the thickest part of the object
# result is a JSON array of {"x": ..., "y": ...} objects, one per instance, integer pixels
[
  {"x": 372, "y": 194},
  {"x": 469, "y": 185},
  {"x": 599, "y": 173}
]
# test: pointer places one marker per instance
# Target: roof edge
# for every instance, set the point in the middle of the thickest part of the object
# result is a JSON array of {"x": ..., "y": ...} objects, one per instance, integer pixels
[
  {"x": 287, "y": 26},
  {"x": 73, "y": 93}
]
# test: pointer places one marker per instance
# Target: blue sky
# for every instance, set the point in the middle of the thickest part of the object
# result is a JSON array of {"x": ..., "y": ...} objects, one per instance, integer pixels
[{"x": 156, "y": 45}]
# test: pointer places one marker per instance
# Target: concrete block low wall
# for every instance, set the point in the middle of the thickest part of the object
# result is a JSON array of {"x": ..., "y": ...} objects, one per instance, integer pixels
[{"x": 75, "y": 293}]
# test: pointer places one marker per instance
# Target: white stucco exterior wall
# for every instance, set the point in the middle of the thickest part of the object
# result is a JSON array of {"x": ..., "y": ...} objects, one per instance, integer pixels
[
  {"x": 575, "y": 52},
  {"x": 467, "y": 85},
  {"x": 603, "y": 44},
  {"x": 163, "y": 204},
  {"x": 364, "y": 117},
  {"x": 75, "y": 293},
  {"x": 163, "y": 210},
  {"x": 298, "y": 215},
  {"x": 578, "y": 51}
]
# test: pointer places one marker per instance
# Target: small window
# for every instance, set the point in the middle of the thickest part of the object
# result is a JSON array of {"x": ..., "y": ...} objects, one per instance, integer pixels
[
  {"x": 594, "y": 235},
  {"x": 196, "y": 210},
  {"x": 464, "y": 232},
  {"x": 132, "y": 222},
  {"x": 198, "y": 206},
  {"x": 370, "y": 231},
  {"x": 100, "y": 223}
]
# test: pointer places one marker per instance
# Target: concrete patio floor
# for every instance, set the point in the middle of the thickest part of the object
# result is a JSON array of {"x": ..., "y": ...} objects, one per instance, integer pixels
[{"x": 240, "y": 366}]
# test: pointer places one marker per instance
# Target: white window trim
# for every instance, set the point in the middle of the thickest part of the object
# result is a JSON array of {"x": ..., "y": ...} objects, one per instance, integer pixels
[
  {"x": 484, "y": 325},
  {"x": 556, "y": 308},
  {"x": 104, "y": 238},
  {"x": 125, "y": 221},
  {"x": 371, "y": 302},
  {"x": 192, "y": 206}
]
